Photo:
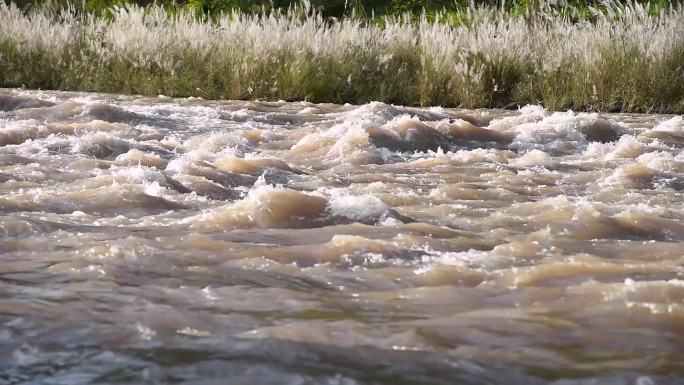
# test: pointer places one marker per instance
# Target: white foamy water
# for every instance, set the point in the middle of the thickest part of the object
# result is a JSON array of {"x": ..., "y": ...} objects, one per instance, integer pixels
[{"x": 158, "y": 240}]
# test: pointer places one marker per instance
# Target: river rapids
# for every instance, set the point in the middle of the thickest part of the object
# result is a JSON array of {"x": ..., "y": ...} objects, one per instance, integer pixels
[{"x": 159, "y": 240}]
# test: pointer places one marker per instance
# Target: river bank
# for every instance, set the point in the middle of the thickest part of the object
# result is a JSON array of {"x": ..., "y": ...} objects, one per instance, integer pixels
[{"x": 626, "y": 59}]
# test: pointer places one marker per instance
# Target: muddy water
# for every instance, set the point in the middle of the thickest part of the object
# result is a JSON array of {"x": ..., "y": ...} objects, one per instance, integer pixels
[{"x": 157, "y": 240}]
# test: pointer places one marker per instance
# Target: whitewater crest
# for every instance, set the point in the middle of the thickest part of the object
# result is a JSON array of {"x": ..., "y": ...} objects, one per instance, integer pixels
[{"x": 287, "y": 241}]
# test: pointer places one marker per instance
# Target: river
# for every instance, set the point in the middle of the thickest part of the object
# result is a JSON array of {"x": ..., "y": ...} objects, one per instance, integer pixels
[{"x": 160, "y": 240}]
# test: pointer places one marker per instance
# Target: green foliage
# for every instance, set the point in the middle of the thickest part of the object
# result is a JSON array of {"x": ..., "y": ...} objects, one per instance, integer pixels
[{"x": 340, "y": 8}]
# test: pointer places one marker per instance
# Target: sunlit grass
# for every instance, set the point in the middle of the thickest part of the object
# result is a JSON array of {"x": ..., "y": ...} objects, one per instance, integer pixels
[{"x": 623, "y": 58}]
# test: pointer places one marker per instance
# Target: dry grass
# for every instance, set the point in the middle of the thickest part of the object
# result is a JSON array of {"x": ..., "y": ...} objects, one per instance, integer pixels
[{"x": 624, "y": 60}]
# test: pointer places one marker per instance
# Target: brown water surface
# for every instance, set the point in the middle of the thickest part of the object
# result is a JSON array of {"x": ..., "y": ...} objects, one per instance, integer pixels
[{"x": 158, "y": 240}]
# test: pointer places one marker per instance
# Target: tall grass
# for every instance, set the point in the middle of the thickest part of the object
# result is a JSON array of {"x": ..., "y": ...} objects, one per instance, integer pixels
[{"x": 624, "y": 58}]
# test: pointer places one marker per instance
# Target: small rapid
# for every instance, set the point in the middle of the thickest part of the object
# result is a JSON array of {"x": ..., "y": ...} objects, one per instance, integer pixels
[{"x": 159, "y": 240}]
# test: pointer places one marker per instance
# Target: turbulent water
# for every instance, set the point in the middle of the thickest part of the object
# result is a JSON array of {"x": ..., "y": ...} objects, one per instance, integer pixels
[{"x": 158, "y": 240}]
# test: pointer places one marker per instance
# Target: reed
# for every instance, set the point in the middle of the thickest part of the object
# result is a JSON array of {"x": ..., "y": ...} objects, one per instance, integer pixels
[{"x": 623, "y": 58}]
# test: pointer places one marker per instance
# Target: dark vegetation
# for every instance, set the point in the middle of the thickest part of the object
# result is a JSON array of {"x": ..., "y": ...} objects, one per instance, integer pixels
[{"x": 339, "y": 8}]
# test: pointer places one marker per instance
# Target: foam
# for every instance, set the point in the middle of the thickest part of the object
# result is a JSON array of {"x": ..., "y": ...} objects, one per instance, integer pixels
[{"x": 533, "y": 158}]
